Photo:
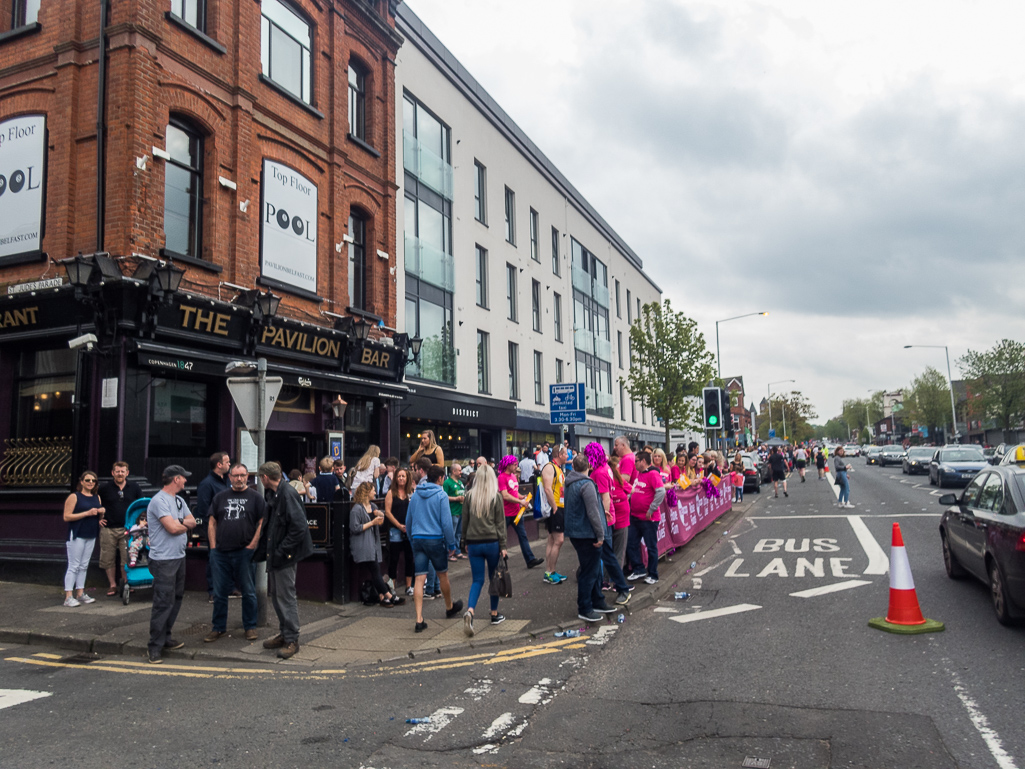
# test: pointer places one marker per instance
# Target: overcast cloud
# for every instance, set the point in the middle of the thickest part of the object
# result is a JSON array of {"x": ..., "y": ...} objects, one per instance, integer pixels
[{"x": 856, "y": 169}]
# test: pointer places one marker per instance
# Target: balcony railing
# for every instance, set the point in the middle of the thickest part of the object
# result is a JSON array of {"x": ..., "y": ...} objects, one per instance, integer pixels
[
  {"x": 426, "y": 165},
  {"x": 429, "y": 264},
  {"x": 36, "y": 462},
  {"x": 583, "y": 340},
  {"x": 603, "y": 348},
  {"x": 600, "y": 294},
  {"x": 581, "y": 280},
  {"x": 598, "y": 402}
]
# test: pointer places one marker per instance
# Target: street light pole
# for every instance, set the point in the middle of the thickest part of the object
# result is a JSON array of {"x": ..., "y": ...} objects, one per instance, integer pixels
[
  {"x": 768, "y": 390},
  {"x": 718, "y": 362},
  {"x": 950, "y": 381}
]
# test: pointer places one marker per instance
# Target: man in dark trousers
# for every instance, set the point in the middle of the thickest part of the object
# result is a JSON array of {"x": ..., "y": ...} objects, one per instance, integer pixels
[
  {"x": 585, "y": 527},
  {"x": 286, "y": 542},
  {"x": 778, "y": 464},
  {"x": 116, "y": 496},
  {"x": 215, "y": 482},
  {"x": 234, "y": 522}
]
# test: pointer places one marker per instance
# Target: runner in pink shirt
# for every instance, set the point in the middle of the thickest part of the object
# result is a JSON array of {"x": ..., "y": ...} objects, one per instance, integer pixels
[
  {"x": 621, "y": 489},
  {"x": 603, "y": 479},
  {"x": 621, "y": 448}
]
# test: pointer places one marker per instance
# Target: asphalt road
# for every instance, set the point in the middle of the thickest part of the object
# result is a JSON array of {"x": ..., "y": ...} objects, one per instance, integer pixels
[{"x": 743, "y": 669}]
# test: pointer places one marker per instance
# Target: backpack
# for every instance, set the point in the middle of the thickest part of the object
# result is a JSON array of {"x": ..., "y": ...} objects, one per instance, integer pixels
[
  {"x": 537, "y": 487},
  {"x": 367, "y": 594}
]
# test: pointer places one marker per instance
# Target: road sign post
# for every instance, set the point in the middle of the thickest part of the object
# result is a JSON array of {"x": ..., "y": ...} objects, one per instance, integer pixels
[{"x": 567, "y": 403}]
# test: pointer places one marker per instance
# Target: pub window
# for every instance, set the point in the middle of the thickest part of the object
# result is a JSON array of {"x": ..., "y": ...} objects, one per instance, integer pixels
[
  {"x": 178, "y": 419},
  {"x": 286, "y": 41},
  {"x": 357, "y": 261},
  {"x": 183, "y": 190},
  {"x": 192, "y": 12},
  {"x": 25, "y": 12}
]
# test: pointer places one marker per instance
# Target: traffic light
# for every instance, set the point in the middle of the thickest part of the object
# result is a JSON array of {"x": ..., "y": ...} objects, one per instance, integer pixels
[{"x": 713, "y": 408}]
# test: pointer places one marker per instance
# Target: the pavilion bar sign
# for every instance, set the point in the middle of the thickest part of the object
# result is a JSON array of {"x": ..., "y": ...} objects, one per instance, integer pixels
[
  {"x": 215, "y": 323},
  {"x": 375, "y": 359},
  {"x": 298, "y": 340}
]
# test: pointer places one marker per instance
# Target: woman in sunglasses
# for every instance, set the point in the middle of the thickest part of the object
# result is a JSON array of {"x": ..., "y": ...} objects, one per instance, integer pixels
[{"x": 82, "y": 511}]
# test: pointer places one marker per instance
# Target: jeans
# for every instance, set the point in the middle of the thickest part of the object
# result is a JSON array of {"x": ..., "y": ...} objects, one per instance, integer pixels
[
  {"x": 738, "y": 493},
  {"x": 589, "y": 580},
  {"x": 482, "y": 554},
  {"x": 373, "y": 571},
  {"x": 168, "y": 590},
  {"x": 457, "y": 529},
  {"x": 432, "y": 586},
  {"x": 232, "y": 568},
  {"x": 281, "y": 589},
  {"x": 619, "y": 538},
  {"x": 641, "y": 528},
  {"x": 427, "y": 553},
  {"x": 612, "y": 566},
  {"x": 79, "y": 552},
  {"x": 845, "y": 487},
  {"x": 521, "y": 534}
]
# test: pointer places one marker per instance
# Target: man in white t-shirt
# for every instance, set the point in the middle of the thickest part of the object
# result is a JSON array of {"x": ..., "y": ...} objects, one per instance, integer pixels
[
  {"x": 169, "y": 521},
  {"x": 801, "y": 460},
  {"x": 527, "y": 467}
]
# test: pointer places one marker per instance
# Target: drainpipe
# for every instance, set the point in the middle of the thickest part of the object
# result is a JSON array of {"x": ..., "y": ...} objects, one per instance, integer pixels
[{"x": 101, "y": 122}]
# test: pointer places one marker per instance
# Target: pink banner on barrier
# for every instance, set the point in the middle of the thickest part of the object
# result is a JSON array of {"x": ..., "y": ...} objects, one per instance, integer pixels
[{"x": 692, "y": 514}]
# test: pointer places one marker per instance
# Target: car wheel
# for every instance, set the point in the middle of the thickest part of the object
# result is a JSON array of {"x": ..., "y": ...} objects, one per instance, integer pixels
[
  {"x": 954, "y": 569},
  {"x": 998, "y": 594}
]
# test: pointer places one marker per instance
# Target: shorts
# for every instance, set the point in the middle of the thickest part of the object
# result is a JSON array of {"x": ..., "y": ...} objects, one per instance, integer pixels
[
  {"x": 111, "y": 540},
  {"x": 429, "y": 552},
  {"x": 801, "y": 464},
  {"x": 556, "y": 522},
  {"x": 779, "y": 475}
]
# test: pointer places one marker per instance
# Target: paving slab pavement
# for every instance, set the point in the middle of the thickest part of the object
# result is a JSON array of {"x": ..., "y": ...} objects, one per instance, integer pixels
[{"x": 334, "y": 635}]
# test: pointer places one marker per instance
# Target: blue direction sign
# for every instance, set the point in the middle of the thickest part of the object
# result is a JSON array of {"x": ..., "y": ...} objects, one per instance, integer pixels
[{"x": 568, "y": 403}]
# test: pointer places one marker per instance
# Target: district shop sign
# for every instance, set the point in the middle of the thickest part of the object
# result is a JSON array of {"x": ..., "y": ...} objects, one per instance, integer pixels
[
  {"x": 288, "y": 227},
  {"x": 22, "y": 184}
]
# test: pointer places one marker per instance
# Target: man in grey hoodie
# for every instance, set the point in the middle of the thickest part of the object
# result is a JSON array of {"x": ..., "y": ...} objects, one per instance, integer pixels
[
  {"x": 585, "y": 527},
  {"x": 429, "y": 526}
]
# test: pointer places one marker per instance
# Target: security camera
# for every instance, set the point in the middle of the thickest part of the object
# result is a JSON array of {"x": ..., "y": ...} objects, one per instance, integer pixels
[{"x": 86, "y": 340}]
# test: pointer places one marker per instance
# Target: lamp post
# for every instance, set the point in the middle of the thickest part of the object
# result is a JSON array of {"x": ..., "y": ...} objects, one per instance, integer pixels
[
  {"x": 718, "y": 363},
  {"x": 950, "y": 381},
  {"x": 768, "y": 391}
]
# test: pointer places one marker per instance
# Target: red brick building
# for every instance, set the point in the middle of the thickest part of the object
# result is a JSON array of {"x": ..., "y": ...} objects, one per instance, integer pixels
[{"x": 249, "y": 145}]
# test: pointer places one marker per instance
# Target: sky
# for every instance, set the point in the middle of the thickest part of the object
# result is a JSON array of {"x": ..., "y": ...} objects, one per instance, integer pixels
[{"x": 855, "y": 169}]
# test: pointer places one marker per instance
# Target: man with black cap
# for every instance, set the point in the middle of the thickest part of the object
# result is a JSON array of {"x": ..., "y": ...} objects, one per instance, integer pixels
[{"x": 169, "y": 520}]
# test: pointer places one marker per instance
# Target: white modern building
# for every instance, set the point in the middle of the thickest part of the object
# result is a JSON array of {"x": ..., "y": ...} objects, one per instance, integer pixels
[{"x": 511, "y": 278}]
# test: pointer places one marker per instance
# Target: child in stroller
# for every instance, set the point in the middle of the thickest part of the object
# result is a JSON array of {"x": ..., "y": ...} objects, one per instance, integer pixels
[
  {"x": 137, "y": 568},
  {"x": 138, "y": 538}
]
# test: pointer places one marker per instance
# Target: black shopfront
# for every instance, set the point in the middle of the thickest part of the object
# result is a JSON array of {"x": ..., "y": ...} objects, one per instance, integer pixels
[
  {"x": 146, "y": 383},
  {"x": 466, "y": 426}
]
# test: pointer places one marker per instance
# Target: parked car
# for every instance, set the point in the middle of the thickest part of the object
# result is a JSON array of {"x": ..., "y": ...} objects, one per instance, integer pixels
[
  {"x": 872, "y": 455},
  {"x": 1011, "y": 454},
  {"x": 752, "y": 477},
  {"x": 852, "y": 450},
  {"x": 955, "y": 464},
  {"x": 917, "y": 460},
  {"x": 892, "y": 454},
  {"x": 982, "y": 532}
]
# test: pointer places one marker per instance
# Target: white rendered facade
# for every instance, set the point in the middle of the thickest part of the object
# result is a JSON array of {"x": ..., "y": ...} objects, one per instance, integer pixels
[{"x": 445, "y": 118}]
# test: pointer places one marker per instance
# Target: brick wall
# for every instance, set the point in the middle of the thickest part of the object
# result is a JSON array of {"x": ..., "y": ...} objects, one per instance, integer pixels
[{"x": 157, "y": 69}]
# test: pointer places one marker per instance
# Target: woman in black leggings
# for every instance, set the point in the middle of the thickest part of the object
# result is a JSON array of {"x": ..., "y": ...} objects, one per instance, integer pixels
[{"x": 396, "y": 503}]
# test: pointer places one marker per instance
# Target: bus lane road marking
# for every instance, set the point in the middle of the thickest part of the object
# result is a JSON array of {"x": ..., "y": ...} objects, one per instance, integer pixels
[
  {"x": 878, "y": 561},
  {"x": 825, "y": 589},
  {"x": 713, "y": 613}
]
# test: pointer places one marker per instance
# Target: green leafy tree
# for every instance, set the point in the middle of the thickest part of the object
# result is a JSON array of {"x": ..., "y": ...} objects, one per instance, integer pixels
[
  {"x": 796, "y": 409},
  {"x": 670, "y": 366},
  {"x": 862, "y": 413},
  {"x": 835, "y": 429},
  {"x": 927, "y": 400},
  {"x": 997, "y": 378}
]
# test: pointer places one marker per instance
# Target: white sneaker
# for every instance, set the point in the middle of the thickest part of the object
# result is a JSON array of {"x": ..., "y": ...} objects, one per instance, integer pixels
[
  {"x": 86, "y": 599},
  {"x": 70, "y": 601},
  {"x": 468, "y": 624},
  {"x": 849, "y": 505},
  {"x": 410, "y": 591}
]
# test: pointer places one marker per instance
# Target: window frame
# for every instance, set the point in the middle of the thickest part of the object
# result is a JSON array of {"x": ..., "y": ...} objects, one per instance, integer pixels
[
  {"x": 559, "y": 373},
  {"x": 201, "y": 9},
  {"x": 483, "y": 362},
  {"x": 556, "y": 263},
  {"x": 480, "y": 192},
  {"x": 267, "y": 68},
  {"x": 196, "y": 176},
  {"x": 539, "y": 386},
  {"x": 619, "y": 314},
  {"x": 535, "y": 305},
  {"x": 357, "y": 245},
  {"x": 357, "y": 94},
  {"x": 535, "y": 235},
  {"x": 514, "y": 371},
  {"x": 512, "y": 293},
  {"x": 510, "y": 216},
  {"x": 557, "y": 312},
  {"x": 629, "y": 316},
  {"x": 481, "y": 277},
  {"x": 619, "y": 345}
]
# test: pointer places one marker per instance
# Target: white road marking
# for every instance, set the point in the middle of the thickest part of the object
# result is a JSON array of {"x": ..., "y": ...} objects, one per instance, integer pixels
[
  {"x": 666, "y": 610},
  {"x": 696, "y": 583},
  {"x": 713, "y": 613},
  {"x": 603, "y": 636},
  {"x": 981, "y": 723},
  {"x": 499, "y": 726},
  {"x": 11, "y": 697},
  {"x": 478, "y": 690},
  {"x": 835, "y": 587},
  {"x": 714, "y": 566},
  {"x": 736, "y": 548},
  {"x": 536, "y": 694},
  {"x": 842, "y": 515},
  {"x": 878, "y": 561},
  {"x": 440, "y": 718}
]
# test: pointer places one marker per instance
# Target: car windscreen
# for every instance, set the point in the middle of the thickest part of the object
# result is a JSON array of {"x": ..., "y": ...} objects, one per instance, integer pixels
[
  {"x": 962, "y": 455},
  {"x": 748, "y": 462},
  {"x": 920, "y": 453}
]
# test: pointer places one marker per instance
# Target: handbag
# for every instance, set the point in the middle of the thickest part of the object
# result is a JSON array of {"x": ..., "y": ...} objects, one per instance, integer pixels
[{"x": 501, "y": 580}]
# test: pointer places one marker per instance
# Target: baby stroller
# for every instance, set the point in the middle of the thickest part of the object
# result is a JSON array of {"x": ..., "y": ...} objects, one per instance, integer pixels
[{"x": 138, "y": 575}]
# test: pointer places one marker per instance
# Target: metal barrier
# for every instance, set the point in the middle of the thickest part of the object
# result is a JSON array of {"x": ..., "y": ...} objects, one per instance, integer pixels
[{"x": 36, "y": 462}]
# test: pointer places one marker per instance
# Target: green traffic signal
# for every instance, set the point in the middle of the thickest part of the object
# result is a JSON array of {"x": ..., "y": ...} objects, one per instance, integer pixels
[{"x": 713, "y": 419}]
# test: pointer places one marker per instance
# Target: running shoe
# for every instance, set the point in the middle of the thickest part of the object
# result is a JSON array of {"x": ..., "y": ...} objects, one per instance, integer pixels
[
  {"x": 651, "y": 580},
  {"x": 497, "y": 619},
  {"x": 550, "y": 578},
  {"x": 563, "y": 577}
]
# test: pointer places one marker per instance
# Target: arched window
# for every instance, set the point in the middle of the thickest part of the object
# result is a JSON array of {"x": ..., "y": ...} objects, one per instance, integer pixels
[
  {"x": 183, "y": 190},
  {"x": 357, "y": 261}
]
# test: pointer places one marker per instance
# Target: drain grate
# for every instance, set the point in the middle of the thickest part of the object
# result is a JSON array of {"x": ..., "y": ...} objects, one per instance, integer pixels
[
  {"x": 82, "y": 658},
  {"x": 756, "y": 763},
  {"x": 191, "y": 630}
]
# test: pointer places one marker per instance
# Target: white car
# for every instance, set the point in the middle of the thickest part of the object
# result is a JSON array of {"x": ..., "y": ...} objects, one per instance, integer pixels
[{"x": 852, "y": 450}]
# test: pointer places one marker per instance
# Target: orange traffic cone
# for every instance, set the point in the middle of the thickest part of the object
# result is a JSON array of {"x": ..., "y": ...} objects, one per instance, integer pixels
[{"x": 903, "y": 614}]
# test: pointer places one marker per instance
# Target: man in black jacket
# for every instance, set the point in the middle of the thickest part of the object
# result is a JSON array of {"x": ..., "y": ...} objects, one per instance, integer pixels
[
  {"x": 286, "y": 541},
  {"x": 215, "y": 482}
]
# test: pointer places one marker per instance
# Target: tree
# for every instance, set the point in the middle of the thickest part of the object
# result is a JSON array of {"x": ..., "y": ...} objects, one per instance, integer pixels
[
  {"x": 792, "y": 409},
  {"x": 669, "y": 366},
  {"x": 927, "y": 400},
  {"x": 997, "y": 378},
  {"x": 862, "y": 413},
  {"x": 836, "y": 430}
]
